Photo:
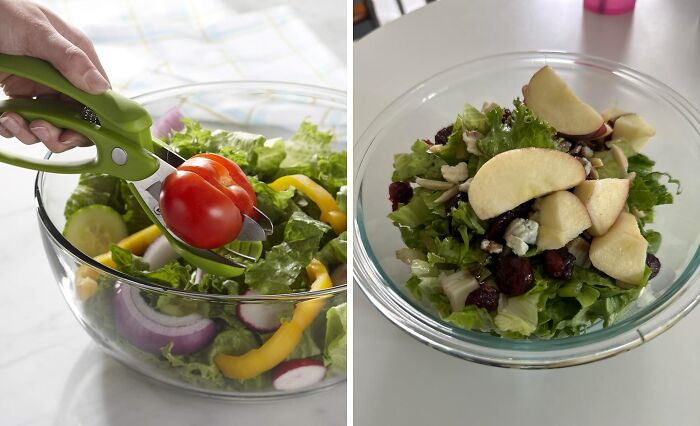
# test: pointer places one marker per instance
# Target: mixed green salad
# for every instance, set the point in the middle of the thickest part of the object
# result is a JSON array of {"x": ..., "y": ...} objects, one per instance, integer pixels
[
  {"x": 530, "y": 221},
  {"x": 274, "y": 345}
]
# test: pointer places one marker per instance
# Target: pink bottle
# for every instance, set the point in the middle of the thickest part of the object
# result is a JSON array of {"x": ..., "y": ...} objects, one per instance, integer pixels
[{"x": 609, "y": 7}]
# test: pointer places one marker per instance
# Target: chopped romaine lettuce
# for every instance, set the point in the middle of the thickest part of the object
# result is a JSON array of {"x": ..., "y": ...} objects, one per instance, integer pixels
[
  {"x": 472, "y": 318},
  {"x": 334, "y": 253},
  {"x": 336, "y": 341},
  {"x": 419, "y": 163},
  {"x": 280, "y": 269}
]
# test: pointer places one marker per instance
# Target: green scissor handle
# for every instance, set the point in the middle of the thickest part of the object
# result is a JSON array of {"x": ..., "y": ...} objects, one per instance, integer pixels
[
  {"x": 115, "y": 156},
  {"x": 124, "y": 124}
]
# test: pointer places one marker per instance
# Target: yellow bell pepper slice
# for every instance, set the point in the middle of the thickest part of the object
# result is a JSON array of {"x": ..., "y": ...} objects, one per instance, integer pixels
[
  {"x": 137, "y": 243},
  {"x": 285, "y": 339},
  {"x": 330, "y": 213}
]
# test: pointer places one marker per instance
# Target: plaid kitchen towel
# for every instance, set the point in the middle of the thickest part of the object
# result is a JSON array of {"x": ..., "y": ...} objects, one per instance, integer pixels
[{"x": 153, "y": 44}]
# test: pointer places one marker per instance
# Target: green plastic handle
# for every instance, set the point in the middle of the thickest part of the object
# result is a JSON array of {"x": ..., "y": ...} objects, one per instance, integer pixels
[
  {"x": 116, "y": 155},
  {"x": 116, "y": 112}
]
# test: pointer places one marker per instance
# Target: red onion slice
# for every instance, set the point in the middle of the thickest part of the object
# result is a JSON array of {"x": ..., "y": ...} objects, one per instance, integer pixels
[
  {"x": 168, "y": 123},
  {"x": 150, "y": 330}
]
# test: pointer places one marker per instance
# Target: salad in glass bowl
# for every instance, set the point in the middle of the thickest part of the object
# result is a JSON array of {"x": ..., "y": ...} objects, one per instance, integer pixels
[
  {"x": 276, "y": 327},
  {"x": 531, "y": 221}
]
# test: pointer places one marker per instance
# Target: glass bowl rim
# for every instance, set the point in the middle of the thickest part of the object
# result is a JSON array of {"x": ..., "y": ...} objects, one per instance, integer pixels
[
  {"x": 486, "y": 349},
  {"x": 275, "y": 86}
]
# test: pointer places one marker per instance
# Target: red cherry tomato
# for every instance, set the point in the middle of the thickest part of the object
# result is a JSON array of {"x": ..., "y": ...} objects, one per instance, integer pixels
[
  {"x": 234, "y": 171},
  {"x": 203, "y": 201}
]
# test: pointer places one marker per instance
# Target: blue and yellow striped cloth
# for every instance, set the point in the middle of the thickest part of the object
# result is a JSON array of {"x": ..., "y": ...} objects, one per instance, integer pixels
[{"x": 153, "y": 44}]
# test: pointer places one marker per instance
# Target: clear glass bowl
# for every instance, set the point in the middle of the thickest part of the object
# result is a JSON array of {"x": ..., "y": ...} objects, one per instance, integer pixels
[
  {"x": 434, "y": 103},
  {"x": 271, "y": 109}
]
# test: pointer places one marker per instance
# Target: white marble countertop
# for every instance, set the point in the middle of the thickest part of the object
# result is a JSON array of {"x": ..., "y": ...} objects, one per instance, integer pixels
[
  {"x": 50, "y": 371},
  {"x": 403, "y": 382}
]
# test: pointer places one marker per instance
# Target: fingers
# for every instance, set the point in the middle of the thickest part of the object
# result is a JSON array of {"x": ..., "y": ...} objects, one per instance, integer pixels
[
  {"x": 18, "y": 128},
  {"x": 55, "y": 139},
  {"x": 76, "y": 37},
  {"x": 69, "y": 60}
]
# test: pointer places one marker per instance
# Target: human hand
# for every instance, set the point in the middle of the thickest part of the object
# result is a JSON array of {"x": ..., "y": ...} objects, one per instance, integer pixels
[{"x": 29, "y": 29}]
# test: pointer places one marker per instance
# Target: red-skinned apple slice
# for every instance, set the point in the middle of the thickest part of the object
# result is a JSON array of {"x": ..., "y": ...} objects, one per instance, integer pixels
[
  {"x": 600, "y": 133},
  {"x": 552, "y": 100},
  {"x": 635, "y": 129},
  {"x": 622, "y": 251},
  {"x": 513, "y": 177}
]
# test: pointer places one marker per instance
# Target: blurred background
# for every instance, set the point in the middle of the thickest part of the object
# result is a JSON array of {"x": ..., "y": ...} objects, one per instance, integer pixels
[
  {"x": 368, "y": 15},
  {"x": 149, "y": 45}
]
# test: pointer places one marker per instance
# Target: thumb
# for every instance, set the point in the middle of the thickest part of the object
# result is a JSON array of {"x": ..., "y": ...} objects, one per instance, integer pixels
[{"x": 71, "y": 61}]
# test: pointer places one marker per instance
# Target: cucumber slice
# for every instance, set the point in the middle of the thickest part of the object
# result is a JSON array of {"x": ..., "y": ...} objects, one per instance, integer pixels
[{"x": 94, "y": 228}]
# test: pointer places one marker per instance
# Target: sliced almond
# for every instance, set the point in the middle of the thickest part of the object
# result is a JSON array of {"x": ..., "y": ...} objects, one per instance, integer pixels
[{"x": 437, "y": 185}]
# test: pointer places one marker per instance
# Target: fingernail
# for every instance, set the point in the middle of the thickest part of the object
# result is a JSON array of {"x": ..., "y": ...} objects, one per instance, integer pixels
[
  {"x": 71, "y": 142},
  {"x": 40, "y": 132},
  {"x": 95, "y": 81},
  {"x": 11, "y": 125}
]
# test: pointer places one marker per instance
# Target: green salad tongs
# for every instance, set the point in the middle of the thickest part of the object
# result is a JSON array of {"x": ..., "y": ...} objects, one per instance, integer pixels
[{"x": 120, "y": 130}]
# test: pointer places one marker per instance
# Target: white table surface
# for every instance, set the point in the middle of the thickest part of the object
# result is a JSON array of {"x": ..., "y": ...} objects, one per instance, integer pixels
[
  {"x": 399, "y": 381},
  {"x": 50, "y": 371}
]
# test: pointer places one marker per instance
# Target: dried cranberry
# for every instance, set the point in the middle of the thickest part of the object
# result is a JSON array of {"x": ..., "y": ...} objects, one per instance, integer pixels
[
  {"x": 654, "y": 264},
  {"x": 400, "y": 193},
  {"x": 559, "y": 263},
  {"x": 513, "y": 274},
  {"x": 506, "y": 115},
  {"x": 498, "y": 225},
  {"x": 453, "y": 202},
  {"x": 484, "y": 297},
  {"x": 442, "y": 135}
]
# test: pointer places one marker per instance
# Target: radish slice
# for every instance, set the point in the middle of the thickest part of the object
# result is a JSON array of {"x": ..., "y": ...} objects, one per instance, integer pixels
[
  {"x": 340, "y": 275},
  {"x": 261, "y": 317},
  {"x": 150, "y": 330},
  {"x": 159, "y": 253},
  {"x": 297, "y": 374},
  {"x": 168, "y": 123}
]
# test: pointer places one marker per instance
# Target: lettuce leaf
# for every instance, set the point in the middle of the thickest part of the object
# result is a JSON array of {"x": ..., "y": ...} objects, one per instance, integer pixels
[
  {"x": 280, "y": 270},
  {"x": 464, "y": 215},
  {"x": 309, "y": 142},
  {"x": 647, "y": 192},
  {"x": 92, "y": 189},
  {"x": 418, "y": 163},
  {"x": 275, "y": 204},
  {"x": 200, "y": 367},
  {"x": 523, "y": 130},
  {"x": 336, "y": 341},
  {"x": 472, "y": 318},
  {"x": 173, "y": 274},
  {"x": 424, "y": 284},
  {"x": 334, "y": 253},
  {"x": 306, "y": 348},
  {"x": 586, "y": 298},
  {"x": 455, "y": 150},
  {"x": 416, "y": 212},
  {"x": 341, "y": 197},
  {"x": 517, "y": 316}
]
